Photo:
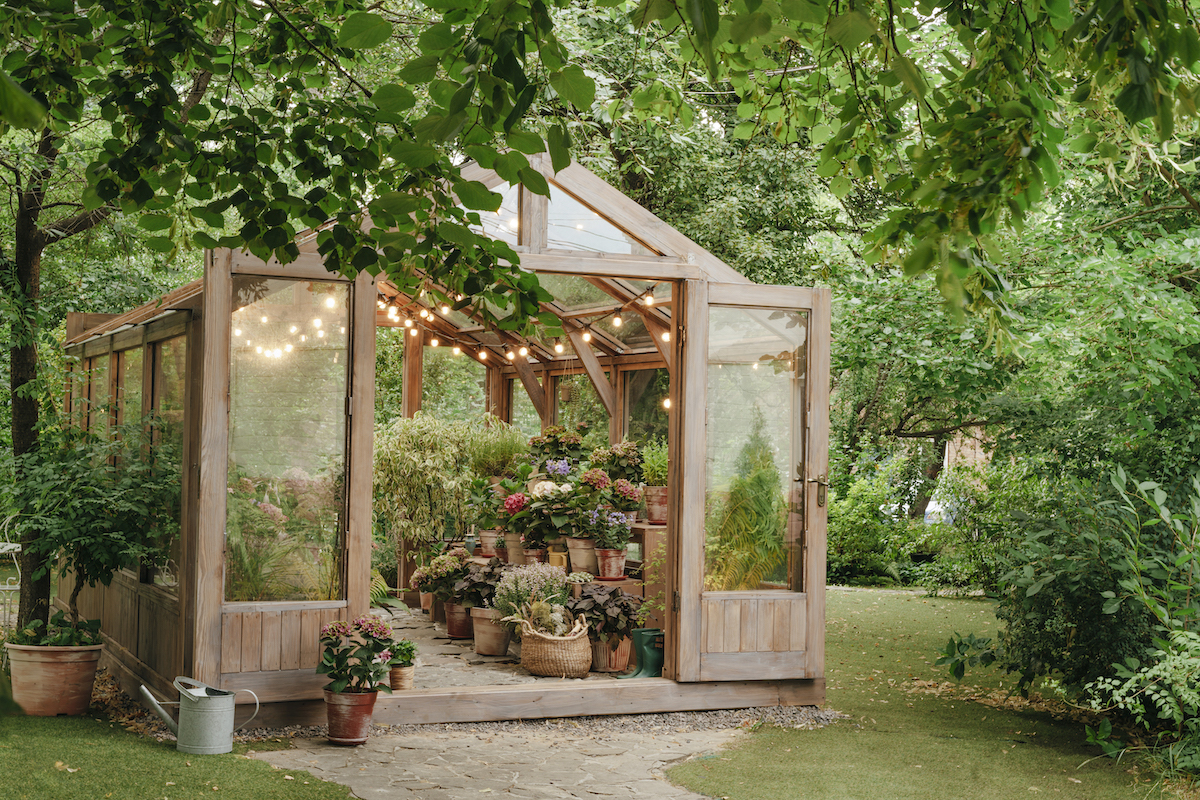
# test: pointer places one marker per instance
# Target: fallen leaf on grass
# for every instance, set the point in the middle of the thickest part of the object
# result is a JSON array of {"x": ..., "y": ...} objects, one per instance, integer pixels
[{"x": 61, "y": 767}]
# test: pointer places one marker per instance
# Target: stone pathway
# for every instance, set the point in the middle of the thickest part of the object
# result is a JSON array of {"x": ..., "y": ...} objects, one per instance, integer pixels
[{"x": 452, "y": 766}]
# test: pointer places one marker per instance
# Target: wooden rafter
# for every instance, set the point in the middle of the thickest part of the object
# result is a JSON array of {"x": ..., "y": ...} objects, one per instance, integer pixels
[{"x": 595, "y": 372}]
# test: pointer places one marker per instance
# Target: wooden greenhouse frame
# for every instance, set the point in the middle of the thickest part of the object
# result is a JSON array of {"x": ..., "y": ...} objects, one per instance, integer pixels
[{"x": 725, "y": 649}]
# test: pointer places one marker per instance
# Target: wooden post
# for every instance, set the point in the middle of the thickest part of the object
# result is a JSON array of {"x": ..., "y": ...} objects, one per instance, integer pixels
[
  {"x": 209, "y": 591},
  {"x": 360, "y": 459},
  {"x": 414, "y": 358},
  {"x": 817, "y": 469}
]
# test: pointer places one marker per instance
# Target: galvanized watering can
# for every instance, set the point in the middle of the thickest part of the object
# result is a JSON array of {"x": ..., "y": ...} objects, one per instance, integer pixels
[{"x": 205, "y": 716}]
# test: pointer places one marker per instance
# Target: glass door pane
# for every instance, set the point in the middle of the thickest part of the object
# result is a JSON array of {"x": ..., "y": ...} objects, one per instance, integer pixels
[{"x": 755, "y": 428}]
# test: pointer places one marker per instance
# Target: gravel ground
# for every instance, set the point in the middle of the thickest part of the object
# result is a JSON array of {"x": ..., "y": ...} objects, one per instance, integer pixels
[{"x": 120, "y": 707}]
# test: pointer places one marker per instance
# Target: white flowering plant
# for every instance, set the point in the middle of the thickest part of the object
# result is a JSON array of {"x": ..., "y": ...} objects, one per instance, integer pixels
[
  {"x": 524, "y": 585},
  {"x": 357, "y": 655}
]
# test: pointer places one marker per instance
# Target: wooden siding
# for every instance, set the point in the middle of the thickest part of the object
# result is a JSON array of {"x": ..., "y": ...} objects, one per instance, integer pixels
[{"x": 273, "y": 637}]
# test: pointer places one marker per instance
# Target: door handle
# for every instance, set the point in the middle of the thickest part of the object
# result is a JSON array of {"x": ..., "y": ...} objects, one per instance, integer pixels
[{"x": 822, "y": 483}]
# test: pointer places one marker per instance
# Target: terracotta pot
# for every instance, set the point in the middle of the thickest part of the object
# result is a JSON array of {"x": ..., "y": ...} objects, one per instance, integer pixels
[
  {"x": 349, "y": 716},
  {"x": 536, "y": 554},
  {"x": 501, "y": 552},
  {"x": 606, "y": 660},
  {"x": 491, "y": 636},
  {"x": 427, "y": 601},
  {"x": 53, "y": 681},
  {"x": 583, "y": 555},
  {"x": 487, "y": 543},
  {"x": 611, "y": 563},
  {"x": 516, "y": 551},
  {"x": 656, "y": 504},
  {"x": 458, "y": 621},
  {"x": 400, "y": 678},
  {"x": 437, "y": 613}
]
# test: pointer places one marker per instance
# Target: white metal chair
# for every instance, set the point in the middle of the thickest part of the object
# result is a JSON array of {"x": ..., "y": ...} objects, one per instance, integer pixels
[{"x": 10, "y": 589}]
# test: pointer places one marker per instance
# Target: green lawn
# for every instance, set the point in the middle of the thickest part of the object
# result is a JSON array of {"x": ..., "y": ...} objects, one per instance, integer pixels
[
  {"x": 84, "y": 758},
  {"x": 906, "y": 739}
]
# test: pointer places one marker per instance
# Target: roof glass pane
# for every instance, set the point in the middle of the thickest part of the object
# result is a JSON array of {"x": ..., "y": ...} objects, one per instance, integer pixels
[
  {"x": 570, "y": 225},
  {"x": 503, "y": 224}
]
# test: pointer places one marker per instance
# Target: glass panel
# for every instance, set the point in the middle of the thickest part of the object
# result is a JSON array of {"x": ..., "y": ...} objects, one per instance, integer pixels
[
  {"x": 452, "y": 386},
  {"x": 98, "y": 395},
  {"x": 572, "y": 292},
  {"x": 524, "y": 415},
  {"x": 287, "y": 439},
  {"x": 578, "y": 402},
  {"x": 756, "y": 363},
  {"x": 570, "y": 225},
  {"x": 169, "y": 376},
  {"x": 503, "y": 224},
  {"x": 129, "y": 385},
  {"x": 646, "y": 392}
]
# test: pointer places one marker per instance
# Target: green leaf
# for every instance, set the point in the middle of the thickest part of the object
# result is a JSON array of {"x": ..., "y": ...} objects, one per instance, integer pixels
[
  {"x": 804, "y": 11},
  {"x": 650, "y": 10},
  {"x": 160, "y": 244},
  {"x": 559, "y": 142},
  {"x": 364, "y": 30},
  {"x": 1136, "y": 102},
  {"x": 422, "y": 69},
  {"x": 534, "y": 181},
  {"x": 911, "y": 75},
  {"x": 1061, "y": 17},
  {"x": 705, "y": 18},
  {"x": 395, "y": 203},
  {"x": 393, "y": 97},
  {"x": 17, "y": 107},
  {"x": 1084, "y": 143},
  {"x": 474, "y": 194},
  {"x": 574, "y": 86},
  {"x": 851, "y": 29},
  {"x": 525, "y": 142},
  {"x": 414, "y": 155},
  {"x": 154, "y": 222},
  {"x": 456, "y": 234},
  {"x": 749, "y": 26}
]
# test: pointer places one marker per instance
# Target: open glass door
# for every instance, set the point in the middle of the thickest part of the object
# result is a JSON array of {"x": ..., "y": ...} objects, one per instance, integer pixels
[{"x": 756, "y": 609}]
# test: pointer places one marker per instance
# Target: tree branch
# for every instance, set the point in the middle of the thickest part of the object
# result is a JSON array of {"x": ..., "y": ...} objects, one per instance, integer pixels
[
  {"x": 79, "y": 223},
  {"x": 1143, "y": 213},
  {"x": 938, "y": 433}
]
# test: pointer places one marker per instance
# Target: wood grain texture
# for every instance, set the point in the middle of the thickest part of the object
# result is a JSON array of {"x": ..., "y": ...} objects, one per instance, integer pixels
[
  {"x": 252, "y": 641},
  {"x": 732, "y": 640},
  {"x": 758, "y": 666},
  {"x": 271, "y": 641},
  {"x": 360, "y": 460},
  {"x": 209, "y": 588},
  {"x": 185, "y": 296},
  {"x": 688, "y": 476},
  {"x": 535, "y": 390},
  {"x": 532, "y": 211},
  {"x": 611, "y": 266},
  {"x": 760, "y": 296},
  {"x": 595, "y": 372},
  {"x": 231, "y": 643},
  {"x": 290, "y": 623},
  {"x": 674, "y": 478},
  {"x": 310, "y": 639},
  {"x": 309, "y": 266},
  {"x": 656, "y": 330},
  {"x": 818, "y": 464},
  {"x": 411, "y": 382},
  {"x": 193, "y": 395}
]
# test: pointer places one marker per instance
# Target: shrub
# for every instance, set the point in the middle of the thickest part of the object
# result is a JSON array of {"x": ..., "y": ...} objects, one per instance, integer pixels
[{"x": 863, "y": 533}]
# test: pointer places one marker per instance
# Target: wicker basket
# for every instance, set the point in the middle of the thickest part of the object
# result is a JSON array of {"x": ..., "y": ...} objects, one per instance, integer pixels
[{"x": 567, "y": 656}]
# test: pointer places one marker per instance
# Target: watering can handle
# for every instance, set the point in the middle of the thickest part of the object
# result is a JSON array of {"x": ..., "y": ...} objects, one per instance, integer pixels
[{"x": 256, "y": 707}]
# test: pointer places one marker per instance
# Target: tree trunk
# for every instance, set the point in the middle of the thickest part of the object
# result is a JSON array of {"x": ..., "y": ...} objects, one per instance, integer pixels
[{"x": 932, "y": 472}]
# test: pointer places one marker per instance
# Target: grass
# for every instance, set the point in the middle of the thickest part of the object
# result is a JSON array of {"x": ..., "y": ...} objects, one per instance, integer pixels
[
  {"x": 909, "y": 735},
  {"x": 86, "y": 758}
]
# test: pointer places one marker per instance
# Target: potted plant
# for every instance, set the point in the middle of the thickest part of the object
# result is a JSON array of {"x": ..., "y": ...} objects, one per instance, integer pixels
[
  {"x": 654, "y": 473},
  {"x": 592, "y": 492},
  {"x": 524, "y": 585},
  {"x": 476, "y": 591},
  {"x": 611, "y": 531},
  {"x": 553, "y": 643},
  {"x": 357, "y": 657},
  {"x": 495, "y": 447},
  {"x": 486, "y": 506},
  {"x": 621, "y": 461},
  {"x": 612, "y": 614},
  {"x": 402, "y": 666},
  {"x": 512, "y": 512},
  {"x": 441, "y": 575},
  {"x": 89, "y": 506},
  {"x": 558, "y": 442},
  {"x": 625, "y": 496}
]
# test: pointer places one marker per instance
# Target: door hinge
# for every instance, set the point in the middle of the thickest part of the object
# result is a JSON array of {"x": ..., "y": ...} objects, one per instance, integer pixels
[{"x": 675, "y": 601}]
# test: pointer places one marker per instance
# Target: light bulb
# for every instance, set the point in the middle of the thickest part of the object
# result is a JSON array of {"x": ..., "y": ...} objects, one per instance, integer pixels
[
  {"x": 445, "y": 309},
  {"x": 278, "y": 353},
  {"x": 587, "y": 336},
  {"x": 558, "y": 347},
  {"x": 330, "y": 302},
  {"x": 237, "y": 331},
  {"x": 424, "y": 313},
  {"x": 649, "y": 299},
  {"x": 456, "y": 350},
  {"x": 458, "y": 297},
  {"x": 510, "y": 355},
  {"x": 293, "y": 329},
  {"x": 666, "y": 336},
  {"x": 413, "y": 331},
  {"x": 754, "y": 365},
  {"x": 316, "y": 323},
  {"x": 264, "y": 319},
  {"x": 320, "y": 334},
  {"x": 258, "y": 349},
  {"x": 482, "y": 355},
  {"x": 381, "y": 304},
  {"x": 408, "y": 323},
  {"x": 287, "y": 348},
  {"x": 433, "y": 342},
  {"x": 667, "y": 403},
  {"x": 304, "y": 338},
  {"x": 524, "y": 351},
  {"x": 617, "y": 321},
  {"x": 343, "y": 329}
]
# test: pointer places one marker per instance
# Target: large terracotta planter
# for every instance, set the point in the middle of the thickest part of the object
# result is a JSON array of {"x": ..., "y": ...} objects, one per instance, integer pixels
[
  {"x": 656, "y": 504},
  {"x": 608, "y": 660},
  {"x": 487, "y": 543},
  {"x": 458, "y": 621},
  {"x": 491, "y": 636},
  {"x": 427, "y": 601},
  {"x": 583, "y": 555},
  {"x": 437, "y": 612},
  {"x": 611, "y": 564},
  {"x": 349, "y": 716},
  {"x": 401, "y": 678},
  {"x": 516, "y": 550},
  {"x": 537, "y": 555},
  {"x": 53, "y": 681}
]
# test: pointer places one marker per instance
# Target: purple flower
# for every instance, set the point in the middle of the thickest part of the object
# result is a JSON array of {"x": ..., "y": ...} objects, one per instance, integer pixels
[
  {"x": 336, "y": 629},
  {"x": 558, "y": 469}
]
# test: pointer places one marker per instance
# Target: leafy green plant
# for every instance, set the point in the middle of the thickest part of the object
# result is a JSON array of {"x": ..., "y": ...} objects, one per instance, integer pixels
[
  {"x": 611, "y": 612},
  {"x": 404, "y": 653},
  {"x": 356, "y": 656},
  {"x": 621, "y": 460},
  {"x": 61, "y": 632},
  {"x": 526, "y": 584},
  {"x": 495, "y": 447},
  {"x": 478, "y": 586},
  {"x": 654, "y": 462}
]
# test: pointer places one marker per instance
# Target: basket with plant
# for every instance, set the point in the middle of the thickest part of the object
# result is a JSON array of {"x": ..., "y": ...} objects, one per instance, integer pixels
[{"x": 402, "y": 666}]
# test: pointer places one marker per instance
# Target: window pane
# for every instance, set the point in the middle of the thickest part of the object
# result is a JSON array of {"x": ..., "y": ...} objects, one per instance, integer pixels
[
  {"x": 503, "y": 224},
  {"x": 98, "y": 395},
  {"x": 756, "y": 379},
  {"x": 647, "y": 390},
  {"x": 524, "y": 415},
  {"x": 129, "y": 391},
  {"x": 578, "y": 402},
  {"x": 570, "y": 225},
  {"x": 287, "y": 439},
  {"x": 452, "y": 386},
  {"x": 169, "y": 375}
]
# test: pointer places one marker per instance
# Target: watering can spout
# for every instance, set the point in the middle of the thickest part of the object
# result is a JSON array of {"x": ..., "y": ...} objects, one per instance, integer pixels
[{"x": 158, "y": 709}]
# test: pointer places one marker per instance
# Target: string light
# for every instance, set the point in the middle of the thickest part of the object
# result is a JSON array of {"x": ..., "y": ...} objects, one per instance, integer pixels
[
  {"x": 264, "y": 319},
  {"x": 293, "y": 329},
  {"x": 666, "y": 336},
  {"x": 330, "y": 302},
  {"x": 278, "y": 353},
  {"x": 258, "y": 349},
  {"x": 287, "y": 348},
  {"x": 381, "y": 304},
  {"x": 445, "y": 310},
  {"x": 617, "y": 321},
  {"x": 237, "y": 331},
  {"x": 316, "y": 323},
  {"x": 482, "y": 355},
  {"x": 424, "y": 314},
  {"x": 456, "y": 350},
  {"x": 343, "y": 329},
  {"x": 754, "y": 365},
  {"x": 524, "y": 351},
  {"x": 413, "y": 331},
  {"x": 649, "y": 299},
  {"x": 408, "y": 323},
  {"x": 558, "y": 347},
  {"x": 587, "y": 336},
  {"x": 304, "y": 338},
  {"x": 320, "y": 334},
  {"x": 510, "y": 355},
  {"x": 433, "y": 342},
  {"x": 667, "y": 403}
]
